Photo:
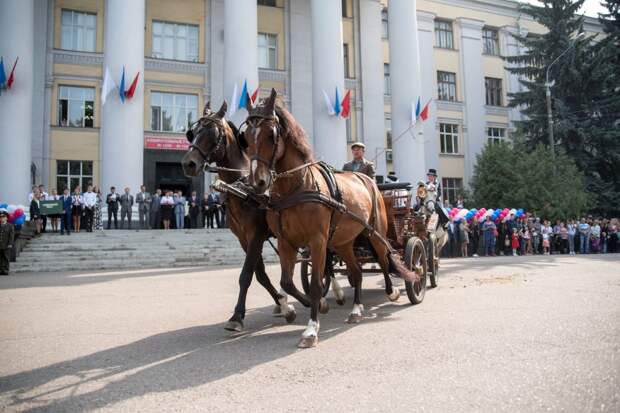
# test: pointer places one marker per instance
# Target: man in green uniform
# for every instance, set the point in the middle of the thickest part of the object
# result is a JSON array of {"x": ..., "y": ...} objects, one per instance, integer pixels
[{"x": 6, "y": 242}]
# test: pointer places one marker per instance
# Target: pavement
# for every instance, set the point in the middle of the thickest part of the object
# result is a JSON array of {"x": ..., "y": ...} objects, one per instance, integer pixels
[{"x": 517, "y": 334}]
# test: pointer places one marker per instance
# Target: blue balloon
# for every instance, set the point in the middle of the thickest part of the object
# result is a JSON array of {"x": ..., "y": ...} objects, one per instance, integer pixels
[
  {"x": 20, "y": 221},
  {"x": 4, "y": 206}
]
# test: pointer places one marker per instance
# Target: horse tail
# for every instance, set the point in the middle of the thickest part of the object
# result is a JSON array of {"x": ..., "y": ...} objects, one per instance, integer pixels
[{"x": 397, "y": 267}]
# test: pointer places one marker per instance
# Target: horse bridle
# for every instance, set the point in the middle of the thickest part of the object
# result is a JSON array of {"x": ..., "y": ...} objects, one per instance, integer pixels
[
  {"x": 276, "y": 137},
  {"x": 207, "y": 159}
]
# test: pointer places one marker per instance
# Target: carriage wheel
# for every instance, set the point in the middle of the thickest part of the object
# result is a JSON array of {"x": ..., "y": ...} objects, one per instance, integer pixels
[
  {"x": 432, "y": 264},
  {"x": 306, "y": 273},
  {"x": 415, "y": 260}
]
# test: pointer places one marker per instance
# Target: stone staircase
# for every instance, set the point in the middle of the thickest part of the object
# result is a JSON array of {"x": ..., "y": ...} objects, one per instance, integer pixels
[{"x": 127, "y": 249}]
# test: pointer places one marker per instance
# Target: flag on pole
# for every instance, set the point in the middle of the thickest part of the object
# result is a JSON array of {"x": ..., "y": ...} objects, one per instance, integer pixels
[
  {"x": 9, "y": 82},
  {"x": 330, "y": 107},
  {"x": 243, "y": 99},
  {"x": 337, "y": 107},
  {"x": 233, "y": 106},
  {"x": 107, "y": 86},
  {"x": 132, "y": 88},
  {"x": 121, "y": 87},
  {"x": 417, "y": 109},
  {"x": 255, "y": 95},
  {"x": 346, "y": 105},
  {"x": 414, "y": 118},
  {"x": 424, "y": 113},
  {"x": 2, "y": 75}
]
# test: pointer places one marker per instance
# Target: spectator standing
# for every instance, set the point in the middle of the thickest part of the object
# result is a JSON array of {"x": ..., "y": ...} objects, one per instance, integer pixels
[
  {"x": 35, "y": 212},
  {"x": 194, "y": 210},
  {"x": 55, "y": 218},
  {"x": 514, "y": 241},
  {"x": 584, "y": 237},
  {"x": 98, "y": 224},
  {"x": 604, "y": 235},
  {"x": 547, "y": 234},
  {"x": 475, "y": 237},
  {"x": 143, "y": 199},
  {"x": 179, "y": 209},
  {"x": 7, "y": 235},
  {"x": 113, "y": 200},
  {"x": 613, "y": 236},
  {"x": 155, "y": 214},
  {"x": 489, "y": 229},
  {"x": 65, "y": 221},
  {"x": 126, "y": 208},
  {"x": 526, "y": 245},
  {"x": 464, "y": 237},
  {"x": 595, "y": 237},
  {"x": 90, "y": 200},
  {"x": 76, "y": 208},
  {"x": 167, "y": 209},
  {"x": 571, "y": 229},
  {"x": 213, "y": 201},
  {"x": 43, "y": 196},
  {"x": 221, "y": 210},
  {"x": 563, "y": 239},
  {"x": 536, "y": 235}
]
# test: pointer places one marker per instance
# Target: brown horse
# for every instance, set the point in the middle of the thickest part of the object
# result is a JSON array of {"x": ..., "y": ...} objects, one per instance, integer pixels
[
  {"x": 213, "y": 139},
  {"x": 282, "y": 161}
]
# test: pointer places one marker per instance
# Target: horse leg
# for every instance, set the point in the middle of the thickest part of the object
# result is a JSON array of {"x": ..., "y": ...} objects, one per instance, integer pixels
[
  {"x": 282, "y": 308},
  {"x": 392, "y": 292},
  {"x": 310, "y": 336},
  {"x": 253, "y": 252},
  {"x": 329, "y": 272},
  {"x": 355, "y": 277}
]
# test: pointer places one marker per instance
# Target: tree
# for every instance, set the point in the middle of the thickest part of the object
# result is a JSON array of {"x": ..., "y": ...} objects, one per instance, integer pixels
[
  {"x": 509, "y": 176},
  {"x": 585, "y": 96}
]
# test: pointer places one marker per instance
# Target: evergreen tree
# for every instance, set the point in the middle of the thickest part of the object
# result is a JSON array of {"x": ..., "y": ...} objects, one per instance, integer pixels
[{"x": 584, "y": 99}]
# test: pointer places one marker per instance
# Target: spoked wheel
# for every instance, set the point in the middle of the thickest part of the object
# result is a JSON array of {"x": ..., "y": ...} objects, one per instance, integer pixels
[
  {"x": 306, "y": 272},
  {"x": 433, "y": 263},
  {"x": 415, "y": 260}
]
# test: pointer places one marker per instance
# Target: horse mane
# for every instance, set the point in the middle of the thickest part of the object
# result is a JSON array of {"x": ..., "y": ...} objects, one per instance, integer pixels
[{"x": 293, "y": 132}]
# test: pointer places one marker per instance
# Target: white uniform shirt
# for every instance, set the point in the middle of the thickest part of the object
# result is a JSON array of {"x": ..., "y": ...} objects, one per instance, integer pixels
[
  {"x": 90, "y": 199},
  {"x": 167, "y": 200}
]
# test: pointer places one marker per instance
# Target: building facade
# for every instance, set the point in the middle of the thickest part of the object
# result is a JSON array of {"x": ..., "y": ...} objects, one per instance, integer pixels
[{"x": 54, "y": 129}]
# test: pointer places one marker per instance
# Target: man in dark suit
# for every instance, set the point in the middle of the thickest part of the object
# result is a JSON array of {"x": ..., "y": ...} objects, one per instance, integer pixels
[
  {"x": 194, "y": 210},
  {"x": 126, "y": 206},
  {"x": 155, "y": 210},
  {"x": 213, "y": 202},
  {"x": 143, "y": 199},
  {"x": 359, "y": 163},
  {"x": 113, "y": 200},
  {"x": 65, "y": 220}
]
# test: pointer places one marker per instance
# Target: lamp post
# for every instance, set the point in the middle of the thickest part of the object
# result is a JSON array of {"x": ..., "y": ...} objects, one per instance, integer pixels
[{"x": 548, "y": 93}]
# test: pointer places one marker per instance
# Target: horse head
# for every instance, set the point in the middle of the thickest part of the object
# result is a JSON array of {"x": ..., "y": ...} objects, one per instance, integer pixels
[
  {"x": 208, "y": 138},
  {"x": 427, "y": 197}
]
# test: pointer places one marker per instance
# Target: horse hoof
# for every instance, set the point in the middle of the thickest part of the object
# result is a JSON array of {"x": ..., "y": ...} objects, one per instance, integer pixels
[
  {"x": 354, "y": 318},
  {"x": 277, "y": 311},
  {"x": 323, "y": 306},
  {"x": 308, "y": 342},
  {"x": 395, "y": 294},
  {"x": 290, "y": 316},
  {"x": 340, "y": 302},
  {"x": 234, "y": 326}
]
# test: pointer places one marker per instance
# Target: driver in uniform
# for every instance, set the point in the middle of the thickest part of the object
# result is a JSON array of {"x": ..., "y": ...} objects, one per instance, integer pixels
[
  {"x": 359, "y": 163},
  {"x": 431, "y": 176}
]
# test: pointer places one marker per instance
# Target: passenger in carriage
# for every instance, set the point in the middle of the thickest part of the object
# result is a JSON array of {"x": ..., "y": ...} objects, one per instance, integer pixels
[{"x": 359, "y": 163}]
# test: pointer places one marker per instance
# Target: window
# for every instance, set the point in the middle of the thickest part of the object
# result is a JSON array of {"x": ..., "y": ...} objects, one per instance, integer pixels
[
  {"x": 443, "y": 34},
  {"x": 494, "y": 91},
  {"x": 490, "y": 41},
  {"x": 496, "y": 135},
  {"x": 449, "y": 138},
  {"x": 384, "y": 23},
  {"x": 70, "y": 174},
  {"x": 450, "y": 189},
  {"x": 446, "y": 86},
  {"x": 175, "y": 41},
  {"x": 76, "y": 106},
  {"x": 345, "y": 51},
  {"x": 173, "y": 112},
  {"x": 388, "y": 139},
  {"x": 269, "y": 3},
  {"x": 387, "y": 88},
  {"x": 345, "y": 12},
  {"x": 79, "y": 31},
  {"x": 267, "y": 50}
]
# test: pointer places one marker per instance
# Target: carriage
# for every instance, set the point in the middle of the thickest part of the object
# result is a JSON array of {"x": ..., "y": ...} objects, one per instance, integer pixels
[{"x": 413, "y": 233}]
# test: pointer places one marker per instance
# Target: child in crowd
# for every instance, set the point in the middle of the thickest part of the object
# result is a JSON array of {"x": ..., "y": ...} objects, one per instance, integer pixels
[{"x": 515, "y": 241}]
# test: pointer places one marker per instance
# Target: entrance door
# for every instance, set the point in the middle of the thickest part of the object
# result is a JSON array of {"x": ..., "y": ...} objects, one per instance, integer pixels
[{"x": 169, "y": 175}]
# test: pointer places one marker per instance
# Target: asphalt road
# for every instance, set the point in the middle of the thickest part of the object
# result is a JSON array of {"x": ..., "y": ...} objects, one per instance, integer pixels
[{"x": 498, "y": 334}]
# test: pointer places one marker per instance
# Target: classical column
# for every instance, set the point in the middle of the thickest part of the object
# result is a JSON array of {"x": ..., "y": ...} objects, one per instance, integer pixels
[
  {"x": 122, "y": 133},
  {"x": 327, "y": 75},
  {"x": 371, "y": 73},
  {"x": 300, "y": 36},
  {"x": 240, "y": 50},
  {"x": 472, "y": 74},
  {"x": 426, "y": 33},
  {"x": 16, "y": 40},
  {"x": 408, "y": 150}
]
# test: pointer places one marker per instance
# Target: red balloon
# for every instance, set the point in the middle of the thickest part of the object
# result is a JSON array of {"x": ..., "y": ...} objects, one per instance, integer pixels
[{"x": 18, "y": 213}]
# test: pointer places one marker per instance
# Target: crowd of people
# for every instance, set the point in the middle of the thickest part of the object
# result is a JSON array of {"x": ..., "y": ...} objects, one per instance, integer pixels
[
  {"x": 83, "y": 210},
  {"x": 532, "y": 235}
]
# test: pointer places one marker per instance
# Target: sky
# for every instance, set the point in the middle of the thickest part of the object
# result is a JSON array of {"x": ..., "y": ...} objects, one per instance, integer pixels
[{"x": 590, "y": 7}]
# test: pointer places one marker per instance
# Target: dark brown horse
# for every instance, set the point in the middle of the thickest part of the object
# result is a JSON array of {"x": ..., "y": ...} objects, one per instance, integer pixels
[
  {"x": 213, "y": 139},
  {"x": 282, "y": 161}
]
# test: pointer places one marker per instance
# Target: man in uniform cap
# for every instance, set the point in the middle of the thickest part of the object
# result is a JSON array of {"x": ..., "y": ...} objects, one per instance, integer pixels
[
  {"x": 359, "y": 163},
  {"x": 7, "y": 233},
  {"x": 432, "y": 179}
]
